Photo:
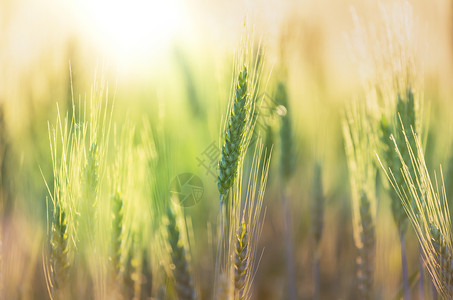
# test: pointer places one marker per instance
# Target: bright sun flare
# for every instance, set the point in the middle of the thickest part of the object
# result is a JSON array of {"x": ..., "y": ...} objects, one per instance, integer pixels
[{"x": 134, "y": 30}]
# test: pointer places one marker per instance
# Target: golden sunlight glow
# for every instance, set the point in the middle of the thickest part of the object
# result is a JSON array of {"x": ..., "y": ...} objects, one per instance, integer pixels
[{"x": 131, "y": 31}]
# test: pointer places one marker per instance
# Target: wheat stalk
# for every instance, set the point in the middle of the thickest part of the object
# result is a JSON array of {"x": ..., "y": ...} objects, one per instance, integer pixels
[
  {"x": 317, "y": 220},
  {"x": 404, "y": 121},
  {"x": 317, "y": 204},
  {"x": 287, "y": 165},
  {"x": 77, "y": 173},
  {"x": 232, "y": 153},
  {"x": 238, "y": 131},
  {"x": 247, "y": 225},
  {"x": 183, "y": 279},
  {"x": 365, "y": 260},
  {"x": 427, "y": 207},
  {"x": 286, "y": 170},
  {"x": 59, "y": 261},
  {"x": 388, "y": 59},
  {"x": 359, "y": 143}
]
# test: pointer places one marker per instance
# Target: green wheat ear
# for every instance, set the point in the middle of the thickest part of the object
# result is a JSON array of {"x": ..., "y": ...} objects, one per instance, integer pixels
[
  {"x": 389, "y": 156},
  {"x": 241, "y": 261},
  {"x": 234, "y": 137},
  {"x": 365, "y": 261},
  {"x": 405, "y": 115},
  {"x": 117, "y": 232},
  {"x": 59, "y": 255},
  {"x": 426, "y": 205},
  {"x": 360, "y": 145},
  {"x": 184, "y": 281},
  {"x": 443, "y": 259}
]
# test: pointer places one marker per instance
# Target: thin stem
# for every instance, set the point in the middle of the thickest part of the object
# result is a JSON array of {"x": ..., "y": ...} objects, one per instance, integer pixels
[
  {"x": 404, "y": 267},
  {"x": 421, "y": 281},
  {"x": 220, "y": 250},
  {"x": 316, "y": 274},
  {"x": 434, "y": 291},
  {"x": 290, "y": 271},
  {"x": 222, "y": 267}
]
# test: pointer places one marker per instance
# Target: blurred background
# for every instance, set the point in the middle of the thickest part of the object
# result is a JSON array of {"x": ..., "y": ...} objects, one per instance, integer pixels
[{"x": 177, "y": 56}]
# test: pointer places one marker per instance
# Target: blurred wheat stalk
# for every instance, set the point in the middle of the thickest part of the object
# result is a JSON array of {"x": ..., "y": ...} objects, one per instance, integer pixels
[
  {"x": 359, "y": 145},
  {"x": 392, "y": 80},
  {"x": 426, "y": 204},
  {"x": 241, "y": 189}
]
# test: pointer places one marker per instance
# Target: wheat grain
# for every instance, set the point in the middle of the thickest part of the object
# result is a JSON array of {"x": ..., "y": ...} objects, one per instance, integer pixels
[{"x": 239, "y": 129}]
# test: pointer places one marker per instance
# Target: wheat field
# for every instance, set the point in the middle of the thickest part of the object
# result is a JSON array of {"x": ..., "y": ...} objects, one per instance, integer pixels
[{"x": 227, "y": 150}]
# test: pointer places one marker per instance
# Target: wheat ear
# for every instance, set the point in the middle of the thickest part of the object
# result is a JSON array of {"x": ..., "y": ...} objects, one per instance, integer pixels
[
  {"x": 427, "y": 207},
  {"x": 365, "y": 260},
  {"x": 231, "y": 149},
  {"x": 360, "y": 145},
  {"x": 117, "y": 232},
  {"x": 241, "y": 261},
  {"x": 405, "y": 119},
  {"x": 59, "y": 256},
  {"x": 183, "y": 279}
]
